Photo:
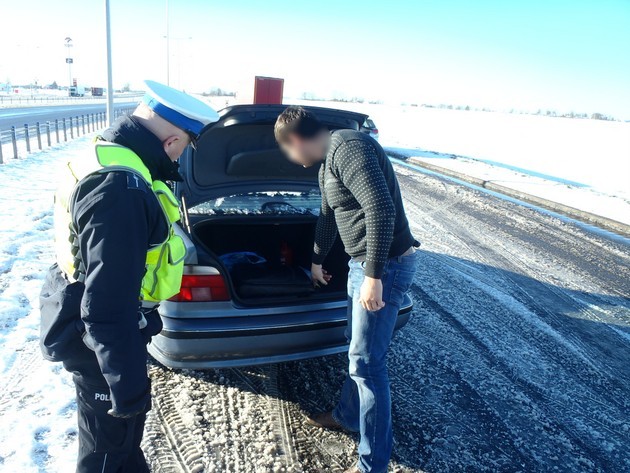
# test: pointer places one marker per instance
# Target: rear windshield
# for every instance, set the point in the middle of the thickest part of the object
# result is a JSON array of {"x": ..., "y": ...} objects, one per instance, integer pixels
[
  {"x": 273, "y": 202},
  {"x": 369, "y": 123}
]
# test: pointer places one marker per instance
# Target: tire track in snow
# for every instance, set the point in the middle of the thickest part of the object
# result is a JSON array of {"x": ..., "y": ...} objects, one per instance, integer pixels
[
  {"x": 223, "y": 420},
  {"x": 265, "y": 385},
  {"x": 176, "y": 449},
  {"x": 24, "y": 363}
]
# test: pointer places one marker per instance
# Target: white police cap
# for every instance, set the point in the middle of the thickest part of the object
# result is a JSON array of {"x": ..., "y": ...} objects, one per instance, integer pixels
[{"x": 182, "y": 110}]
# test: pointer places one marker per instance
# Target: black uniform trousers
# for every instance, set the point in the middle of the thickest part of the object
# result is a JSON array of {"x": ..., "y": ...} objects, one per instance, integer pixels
[{"x": 106, "y": 444}]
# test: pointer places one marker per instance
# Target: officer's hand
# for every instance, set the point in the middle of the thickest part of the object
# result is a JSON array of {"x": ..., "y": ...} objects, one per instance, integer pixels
[
  {"x": 125, "y": 415},
  {"x": 123, "y": 409},
  {"x": 319, "y": 275}
]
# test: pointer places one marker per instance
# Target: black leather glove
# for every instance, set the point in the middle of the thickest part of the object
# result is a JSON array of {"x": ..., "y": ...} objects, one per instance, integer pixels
[
  {"x": 126, "y": 415},
  {"x": 153, "y": 324},
  {"x": 142, "y": 406}
]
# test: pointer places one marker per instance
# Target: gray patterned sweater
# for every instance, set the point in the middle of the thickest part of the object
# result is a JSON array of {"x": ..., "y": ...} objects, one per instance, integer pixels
[{"x": 361, "y": 201}]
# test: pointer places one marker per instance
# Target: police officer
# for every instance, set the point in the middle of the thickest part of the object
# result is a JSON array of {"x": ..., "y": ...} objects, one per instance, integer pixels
[{"x": 118, "y": 256}]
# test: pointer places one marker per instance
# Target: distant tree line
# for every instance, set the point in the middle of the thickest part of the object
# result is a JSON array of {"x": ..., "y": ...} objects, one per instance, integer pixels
[
  {"x": 546, "y": 113},
  {"x": 338, "y": 98},
  {"x": 219, "y": 92}
]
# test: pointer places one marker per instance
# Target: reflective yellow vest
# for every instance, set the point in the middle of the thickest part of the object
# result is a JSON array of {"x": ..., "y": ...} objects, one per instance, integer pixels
[{"x": 164, "y": 263}]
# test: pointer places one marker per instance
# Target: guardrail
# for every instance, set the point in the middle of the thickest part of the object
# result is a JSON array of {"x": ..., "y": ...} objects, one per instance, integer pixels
[{"x": 45, "y": 134}]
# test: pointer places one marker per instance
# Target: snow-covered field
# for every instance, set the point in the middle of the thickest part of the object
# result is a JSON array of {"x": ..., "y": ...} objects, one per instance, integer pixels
[
  {"x": 515, "y": 360},
  {"x": 546, "y": 155},
  {"x": 591, "y": 152}
]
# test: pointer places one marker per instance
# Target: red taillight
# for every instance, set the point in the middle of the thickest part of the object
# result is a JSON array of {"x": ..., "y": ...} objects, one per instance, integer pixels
[
  {"x": 202, "y": 288},
  {"x": 375, "y": 131}
]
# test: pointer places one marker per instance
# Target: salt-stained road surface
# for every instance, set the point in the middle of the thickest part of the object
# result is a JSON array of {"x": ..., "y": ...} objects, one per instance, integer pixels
[{"x": 516, "y": 358}]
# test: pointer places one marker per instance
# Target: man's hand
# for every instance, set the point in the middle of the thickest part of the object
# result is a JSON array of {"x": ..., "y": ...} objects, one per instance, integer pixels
[
  {"x": 319, "y": 275},
  {"x": 371, "y": 297}
]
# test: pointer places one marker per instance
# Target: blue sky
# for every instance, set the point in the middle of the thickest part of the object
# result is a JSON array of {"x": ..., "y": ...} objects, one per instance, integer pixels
[{"x": 564, "y": 55}]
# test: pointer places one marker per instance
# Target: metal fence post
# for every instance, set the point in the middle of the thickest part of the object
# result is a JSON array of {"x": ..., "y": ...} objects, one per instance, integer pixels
[
  {"x": 48, "y": 133},
  {"x": 27, "y": 138},
  {"x": 1, "y": 159},
  {"x": 65, "y": 131},
  {"x": 57, "y": 129},
  {"x": 71, "y": 129},
  {"x": 14, "y": 142},
  {"x": 39, "y": 135},
  {"x": 78, "y": 127},
  {"x": 83, "y": 123}
]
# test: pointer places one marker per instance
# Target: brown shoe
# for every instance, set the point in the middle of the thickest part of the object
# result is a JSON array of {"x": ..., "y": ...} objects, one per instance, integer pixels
[
  {"x": 353, "y": 469},
  {"x": 325, "y": 420}
]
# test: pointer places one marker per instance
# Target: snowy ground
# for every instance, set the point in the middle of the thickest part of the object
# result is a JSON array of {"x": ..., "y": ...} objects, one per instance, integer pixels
[
  {"x": 515, "y": 358},
  {"x": 37, "y": 410}
]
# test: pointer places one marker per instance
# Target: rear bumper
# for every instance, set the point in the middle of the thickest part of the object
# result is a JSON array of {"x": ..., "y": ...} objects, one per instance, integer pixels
[{"x": 232, "y": 340}]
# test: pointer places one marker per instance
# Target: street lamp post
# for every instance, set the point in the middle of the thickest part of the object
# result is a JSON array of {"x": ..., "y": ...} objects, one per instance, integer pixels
[
  {"x": 69, "y": 61},
  {"x": 168, "y": 47},
  {"x": 110, "y": 92}
]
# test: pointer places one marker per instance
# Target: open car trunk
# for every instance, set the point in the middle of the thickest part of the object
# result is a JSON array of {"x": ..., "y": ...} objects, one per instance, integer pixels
[
  {"x": 239, "y": 153},
  {"x": 267, "y": 259},
  {"x": 237, "y": 157}
]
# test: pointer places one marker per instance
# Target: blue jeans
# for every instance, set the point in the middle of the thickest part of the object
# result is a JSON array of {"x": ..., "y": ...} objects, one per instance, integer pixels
[{"x": 365, "y": 404}]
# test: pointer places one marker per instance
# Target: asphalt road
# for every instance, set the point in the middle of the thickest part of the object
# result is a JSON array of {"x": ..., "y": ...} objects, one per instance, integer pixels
[
  {"x": 516, "y": 359},
  {"x": 19, "y": 116}
]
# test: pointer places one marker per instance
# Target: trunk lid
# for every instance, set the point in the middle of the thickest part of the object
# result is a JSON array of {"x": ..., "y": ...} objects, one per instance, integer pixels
[{"x": 239, "y": 154}]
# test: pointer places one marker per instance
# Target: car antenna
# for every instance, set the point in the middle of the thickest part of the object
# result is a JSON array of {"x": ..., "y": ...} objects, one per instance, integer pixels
[{"x": 184, "y": 213}]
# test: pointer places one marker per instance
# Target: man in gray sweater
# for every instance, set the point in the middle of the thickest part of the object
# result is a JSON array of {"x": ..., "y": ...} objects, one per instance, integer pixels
[{"x": 361, "y": 202}]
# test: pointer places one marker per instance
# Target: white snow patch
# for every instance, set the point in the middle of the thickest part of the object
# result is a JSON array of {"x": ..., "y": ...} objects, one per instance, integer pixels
[
  {"x": 580, "y": 197},
  {"x": 37, "y": 407}
]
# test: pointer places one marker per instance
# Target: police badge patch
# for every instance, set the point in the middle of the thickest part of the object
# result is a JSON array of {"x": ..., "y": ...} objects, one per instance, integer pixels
[{"x": 135, "y": 182}]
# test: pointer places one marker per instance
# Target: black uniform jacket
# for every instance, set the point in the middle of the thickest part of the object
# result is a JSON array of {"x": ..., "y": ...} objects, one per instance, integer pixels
[{"x": 118, "y": 218}]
